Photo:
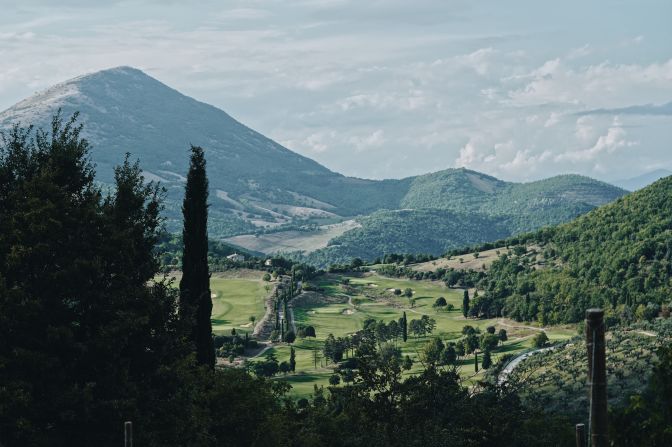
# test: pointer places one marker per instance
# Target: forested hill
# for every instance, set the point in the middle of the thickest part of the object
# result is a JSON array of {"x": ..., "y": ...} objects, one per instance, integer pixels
[{"x": 618, "y": 256}]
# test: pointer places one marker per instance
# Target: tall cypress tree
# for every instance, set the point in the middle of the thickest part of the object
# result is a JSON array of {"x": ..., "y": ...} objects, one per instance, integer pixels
[
  {"x": 465, "y": 304},
  {"x": 195, "y": 300},
  {"x": 404, "y": 328}
]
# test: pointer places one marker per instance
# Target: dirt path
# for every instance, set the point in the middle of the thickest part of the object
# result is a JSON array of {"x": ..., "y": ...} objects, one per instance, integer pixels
[
  {"x": 502, "y": 323},
  {"x": 647, "y": 333}
]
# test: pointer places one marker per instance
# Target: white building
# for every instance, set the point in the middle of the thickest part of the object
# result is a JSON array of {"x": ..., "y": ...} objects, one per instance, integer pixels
[{"x": 236, "y": 257}]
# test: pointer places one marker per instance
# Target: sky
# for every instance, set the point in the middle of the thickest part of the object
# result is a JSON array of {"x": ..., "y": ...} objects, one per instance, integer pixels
[{"x": 521, "y": 90}]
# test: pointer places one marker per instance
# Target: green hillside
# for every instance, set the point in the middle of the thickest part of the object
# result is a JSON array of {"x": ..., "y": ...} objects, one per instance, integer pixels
[
  {"x": 618, "y": 256},
  {"x": 431, "y": 231}
]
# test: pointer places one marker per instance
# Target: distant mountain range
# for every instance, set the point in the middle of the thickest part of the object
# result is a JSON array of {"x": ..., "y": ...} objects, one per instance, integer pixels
[
  {"x": 259, "y": 187},
  {"x": 641, "y": 181}
]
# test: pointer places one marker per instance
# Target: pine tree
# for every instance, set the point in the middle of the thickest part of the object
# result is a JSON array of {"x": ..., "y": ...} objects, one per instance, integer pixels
[
  {"x": 195, "y": 300},
  {"x": 476, "y": 361},
  {"x": 465, "y": 304},
  {"x": 292, "y": 359},
  {"x": 404, "y": 327}
]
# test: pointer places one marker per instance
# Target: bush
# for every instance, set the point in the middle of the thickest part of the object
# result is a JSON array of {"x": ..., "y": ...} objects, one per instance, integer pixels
[
  {"x": 440, "y": 302},
  {"x": 540, "y": 340}
]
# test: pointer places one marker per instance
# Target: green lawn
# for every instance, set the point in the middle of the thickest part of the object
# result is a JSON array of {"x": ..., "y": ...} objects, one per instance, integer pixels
[
  {"x": 343, "y": 319},
  {"x": 234, "y": 301}
]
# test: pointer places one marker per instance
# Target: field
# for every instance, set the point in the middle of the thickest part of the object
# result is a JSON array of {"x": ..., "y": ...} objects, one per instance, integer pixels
[
  {"x": 293, "y": 240},
  {"x": 369, "y": 296}
]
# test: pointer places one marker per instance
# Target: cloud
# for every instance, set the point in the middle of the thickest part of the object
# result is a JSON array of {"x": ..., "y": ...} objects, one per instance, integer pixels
[
  {"x": 614, "y": 139},
  {"x": 373, "y": 140}
]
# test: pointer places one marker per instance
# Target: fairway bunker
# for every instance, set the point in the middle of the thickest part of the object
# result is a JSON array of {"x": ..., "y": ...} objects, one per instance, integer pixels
[{"x": 348, "y": 312}]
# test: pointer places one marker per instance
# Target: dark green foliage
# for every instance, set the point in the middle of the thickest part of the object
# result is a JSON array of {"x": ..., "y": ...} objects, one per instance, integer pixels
[
  {"x": 292, "y": 359},
  {"x": 465, "y": 304},
  {"x": 487, "y": 359},
  {"x": 617, "y": 257},
  {"x": 87, "y": 339},
  {"x": 502, "y": 335},
  {"x": 440, "y": 302},
  {"x": 540, "y": 340},
  {"x": 195, "y": 300},
  {"x": 647, "y": 419},
  {"x": 404, "y": 327}
]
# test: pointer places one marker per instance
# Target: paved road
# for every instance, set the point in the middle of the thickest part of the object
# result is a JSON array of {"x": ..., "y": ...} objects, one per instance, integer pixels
[{"x": 508, "y": 369}]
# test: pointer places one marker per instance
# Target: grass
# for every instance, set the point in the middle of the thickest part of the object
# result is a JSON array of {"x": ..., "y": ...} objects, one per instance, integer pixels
[
  {"x": 234, "y": 301},
  {"x": 372, "y": 300}
]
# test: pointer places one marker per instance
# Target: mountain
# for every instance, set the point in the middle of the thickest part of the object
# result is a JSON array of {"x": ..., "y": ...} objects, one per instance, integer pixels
[
  {"x": 639, "y": 182},
  {"x": 617, "y": 257},
  {"x": 260, "y": 187}
]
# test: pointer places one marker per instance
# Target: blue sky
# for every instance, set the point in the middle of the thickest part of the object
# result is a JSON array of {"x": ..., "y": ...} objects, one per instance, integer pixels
[{"x": 517, "y": 89}]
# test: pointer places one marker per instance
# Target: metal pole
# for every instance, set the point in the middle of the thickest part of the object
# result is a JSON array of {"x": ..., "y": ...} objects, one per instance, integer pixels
[
  {"x": 580, "y": 435},
  {"x": 597, "y": 377},
  {"x": 128, "y": 434}
]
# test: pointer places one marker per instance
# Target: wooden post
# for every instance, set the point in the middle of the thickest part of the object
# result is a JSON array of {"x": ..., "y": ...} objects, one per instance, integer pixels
[
  {"x": 128, "y": 434},
  {"x": 597, "y": 377},
  {"x": 580, "y": 435}
]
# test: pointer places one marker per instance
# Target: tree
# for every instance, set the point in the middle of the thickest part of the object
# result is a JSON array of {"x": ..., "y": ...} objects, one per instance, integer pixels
[
  {"x": 292, "y": 359},
  {"x": 432, "y": 351},
  {"x": 266, "y": 277},
  {"x": 490, "y": 329},
  {"x": 449, "y": 356},
  {"x": 429, "y": 324},
  {"x": 252, "y": 320},
  {"x": 195, "y": 300},
  {"x": 487, "y": 360},
  {"x": 440, "y": 303},
  {"x": 489, "y": 341},
  {"x": 502, "y": 335},
  {"x": 334, "y": 379},
  {"x": 404, "y": 327},
  {"x": 476, "y": 361},
  {"x": 397, "y": 291},
  {"x": 284, "y": 367},
  {"x": 408, "y": 292},
  {"x": 407, "y": 364},
  {"x": 471, "y": 343},
  {"x": 468, "y": 329},
  {"x": 290, "y": 336},
  {"x": 540, "y": 340},
  {"x": 465, "y": 304},
  {"x": 460, "y": 348}
]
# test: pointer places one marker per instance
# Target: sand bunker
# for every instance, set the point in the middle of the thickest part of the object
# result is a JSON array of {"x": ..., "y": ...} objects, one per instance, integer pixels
[
  {"x": 213, "y": 295},
  {"x": 372, "y": 284},
  {"x": 348, "y": 312}
]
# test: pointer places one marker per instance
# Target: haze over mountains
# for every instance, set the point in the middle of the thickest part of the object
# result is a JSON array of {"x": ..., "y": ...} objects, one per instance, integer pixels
[{"x": 258, "y": 186}]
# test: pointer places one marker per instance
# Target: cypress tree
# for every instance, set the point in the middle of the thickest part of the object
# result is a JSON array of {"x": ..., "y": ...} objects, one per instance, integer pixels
[
  {"x": 292, "y": 359},
  {"x": 487, "y": 359},
  {"x": 195, "y": 300},
  {"x": 404, "y": 328},
  {"x": 465, "y": 304},
  {"x": 476, "y": 361}
]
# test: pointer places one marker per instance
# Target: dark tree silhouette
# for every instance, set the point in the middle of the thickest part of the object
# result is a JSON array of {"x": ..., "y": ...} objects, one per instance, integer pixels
[{"x": 195, "y": 300}]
